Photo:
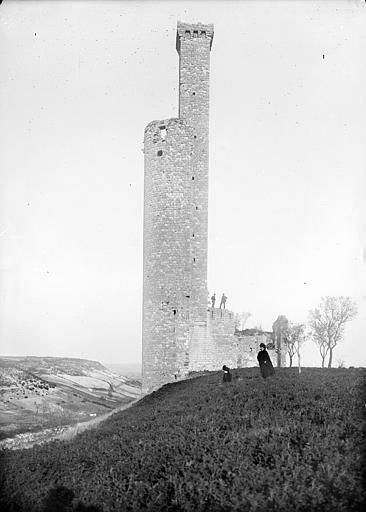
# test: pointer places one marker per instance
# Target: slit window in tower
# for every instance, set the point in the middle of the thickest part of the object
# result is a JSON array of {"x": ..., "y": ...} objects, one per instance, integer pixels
[
  {"x": 192, "y": 178},
  {"x": 162, "y": 133},
  {"x": 194, "y": 260},
  {"x": 160, "y": 153},
  {"x": 174, "y": 311}
]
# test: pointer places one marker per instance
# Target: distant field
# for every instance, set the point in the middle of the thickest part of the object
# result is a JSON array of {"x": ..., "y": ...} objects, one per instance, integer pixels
[
  {"x": 38, "y": 393},
  {"x": 291, "y": 443},
  {"x": 131, "y": 370}
]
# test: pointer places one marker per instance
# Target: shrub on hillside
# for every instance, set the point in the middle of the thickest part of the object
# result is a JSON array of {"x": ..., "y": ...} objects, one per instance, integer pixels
[{"x": 288, "y": 443}]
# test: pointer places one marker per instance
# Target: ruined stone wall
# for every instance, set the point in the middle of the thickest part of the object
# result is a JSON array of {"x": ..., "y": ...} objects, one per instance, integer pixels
[
  {"x": 223, "y": 346},
  {"x": 279, "y": 327},
  {"x": 202, "y": 348},
  {"x": 223, "y": 327},
  {"x": 248, "y": 348}
]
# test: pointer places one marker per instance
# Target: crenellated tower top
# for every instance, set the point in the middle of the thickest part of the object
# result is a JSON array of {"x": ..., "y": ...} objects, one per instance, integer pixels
[
  {"x": 194, "y": 43},
  {"x": 194, "y": 30}
]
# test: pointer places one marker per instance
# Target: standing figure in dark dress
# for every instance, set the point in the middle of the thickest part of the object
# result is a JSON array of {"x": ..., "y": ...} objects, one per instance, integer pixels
[
  {"x": 227, "y": 375},
  {"x": 265, "y": 362}
]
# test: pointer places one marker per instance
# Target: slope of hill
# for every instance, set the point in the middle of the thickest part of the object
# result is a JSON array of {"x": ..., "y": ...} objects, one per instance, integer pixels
[
  {"x": 49, "y": 392},
  {"x": 293, "y": 442}
]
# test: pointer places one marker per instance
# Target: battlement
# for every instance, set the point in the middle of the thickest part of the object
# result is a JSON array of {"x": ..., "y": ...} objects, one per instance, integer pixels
[{"x": 194, "y": 30}]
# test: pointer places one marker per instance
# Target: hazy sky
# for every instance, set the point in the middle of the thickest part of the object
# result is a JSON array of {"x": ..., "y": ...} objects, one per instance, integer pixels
[{"x": 287, "y": 217}]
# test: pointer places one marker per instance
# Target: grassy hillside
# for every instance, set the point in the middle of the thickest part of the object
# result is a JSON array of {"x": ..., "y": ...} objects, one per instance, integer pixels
[
  {"x": 291, "y": 443},
  {"x": 40, "y": 393}
]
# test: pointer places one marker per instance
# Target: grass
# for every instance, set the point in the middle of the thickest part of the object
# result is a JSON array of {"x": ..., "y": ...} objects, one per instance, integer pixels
[{"x": 292, "y": 442}]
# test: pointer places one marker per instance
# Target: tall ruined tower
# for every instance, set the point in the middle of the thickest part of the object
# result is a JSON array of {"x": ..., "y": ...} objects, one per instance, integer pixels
[{"x": 175, "y": 219}]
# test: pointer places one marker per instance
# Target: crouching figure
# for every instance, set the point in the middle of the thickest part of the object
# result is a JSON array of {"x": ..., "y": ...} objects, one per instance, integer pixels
[{"x": 227, "y": 375}]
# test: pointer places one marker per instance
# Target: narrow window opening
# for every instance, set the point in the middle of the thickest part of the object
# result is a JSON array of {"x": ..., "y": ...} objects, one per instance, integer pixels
[
  {"x": 194, "y": 260},
  {"x": 160, "y": 153},
  {"x": 193, "y": 235},
  {"x": 192, "y": 177},
  {"x": 174, "y": 311},
  {"x": 162, "y": 132},
  {"x": 196, "y": 207}
]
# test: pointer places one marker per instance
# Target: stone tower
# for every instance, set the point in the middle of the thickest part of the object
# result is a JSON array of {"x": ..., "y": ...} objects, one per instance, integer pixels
[{"x": 175, "y": 219}]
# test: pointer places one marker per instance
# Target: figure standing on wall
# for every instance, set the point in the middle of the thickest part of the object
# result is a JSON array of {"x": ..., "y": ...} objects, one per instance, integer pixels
[
  {"x": 223, "y": 301},
  {"x": 227, "y": 375},
  {"x": 265, "y": 362},
  {"x": 213, "y": 300}
]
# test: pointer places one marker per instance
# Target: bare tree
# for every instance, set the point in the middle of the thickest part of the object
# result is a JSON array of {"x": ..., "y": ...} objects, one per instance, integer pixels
[
  {"x": 293, "y": 337},
  {"x": 327, "y": 323},
  {"x": 318, "y": 334},
  {"x": 300, "y": 340},
  {"x": 289, "y": 343}
]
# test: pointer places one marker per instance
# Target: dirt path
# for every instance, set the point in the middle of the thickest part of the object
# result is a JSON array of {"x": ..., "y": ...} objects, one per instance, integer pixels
[{"x": 28, "y": 440}]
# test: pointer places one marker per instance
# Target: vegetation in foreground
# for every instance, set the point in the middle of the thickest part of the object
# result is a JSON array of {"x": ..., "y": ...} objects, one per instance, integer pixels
[{"x": 292, "y": 442}]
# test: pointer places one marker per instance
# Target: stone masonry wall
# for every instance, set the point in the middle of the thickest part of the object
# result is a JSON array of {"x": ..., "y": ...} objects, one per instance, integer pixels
[
  {"x": 248, "y": 348},
  {"x": 223, "y": 327},
  {"x": 167, "y": 258},
  {"x": 175, "y": 219},
  {"x": 202, "y": 348},
  {"x": 193, "y": 46},
  {"x": 219, "y": 345}
]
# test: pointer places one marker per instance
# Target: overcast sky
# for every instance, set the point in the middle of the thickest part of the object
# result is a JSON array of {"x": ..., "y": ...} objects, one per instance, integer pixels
[{"x": 80, "y": 81}]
